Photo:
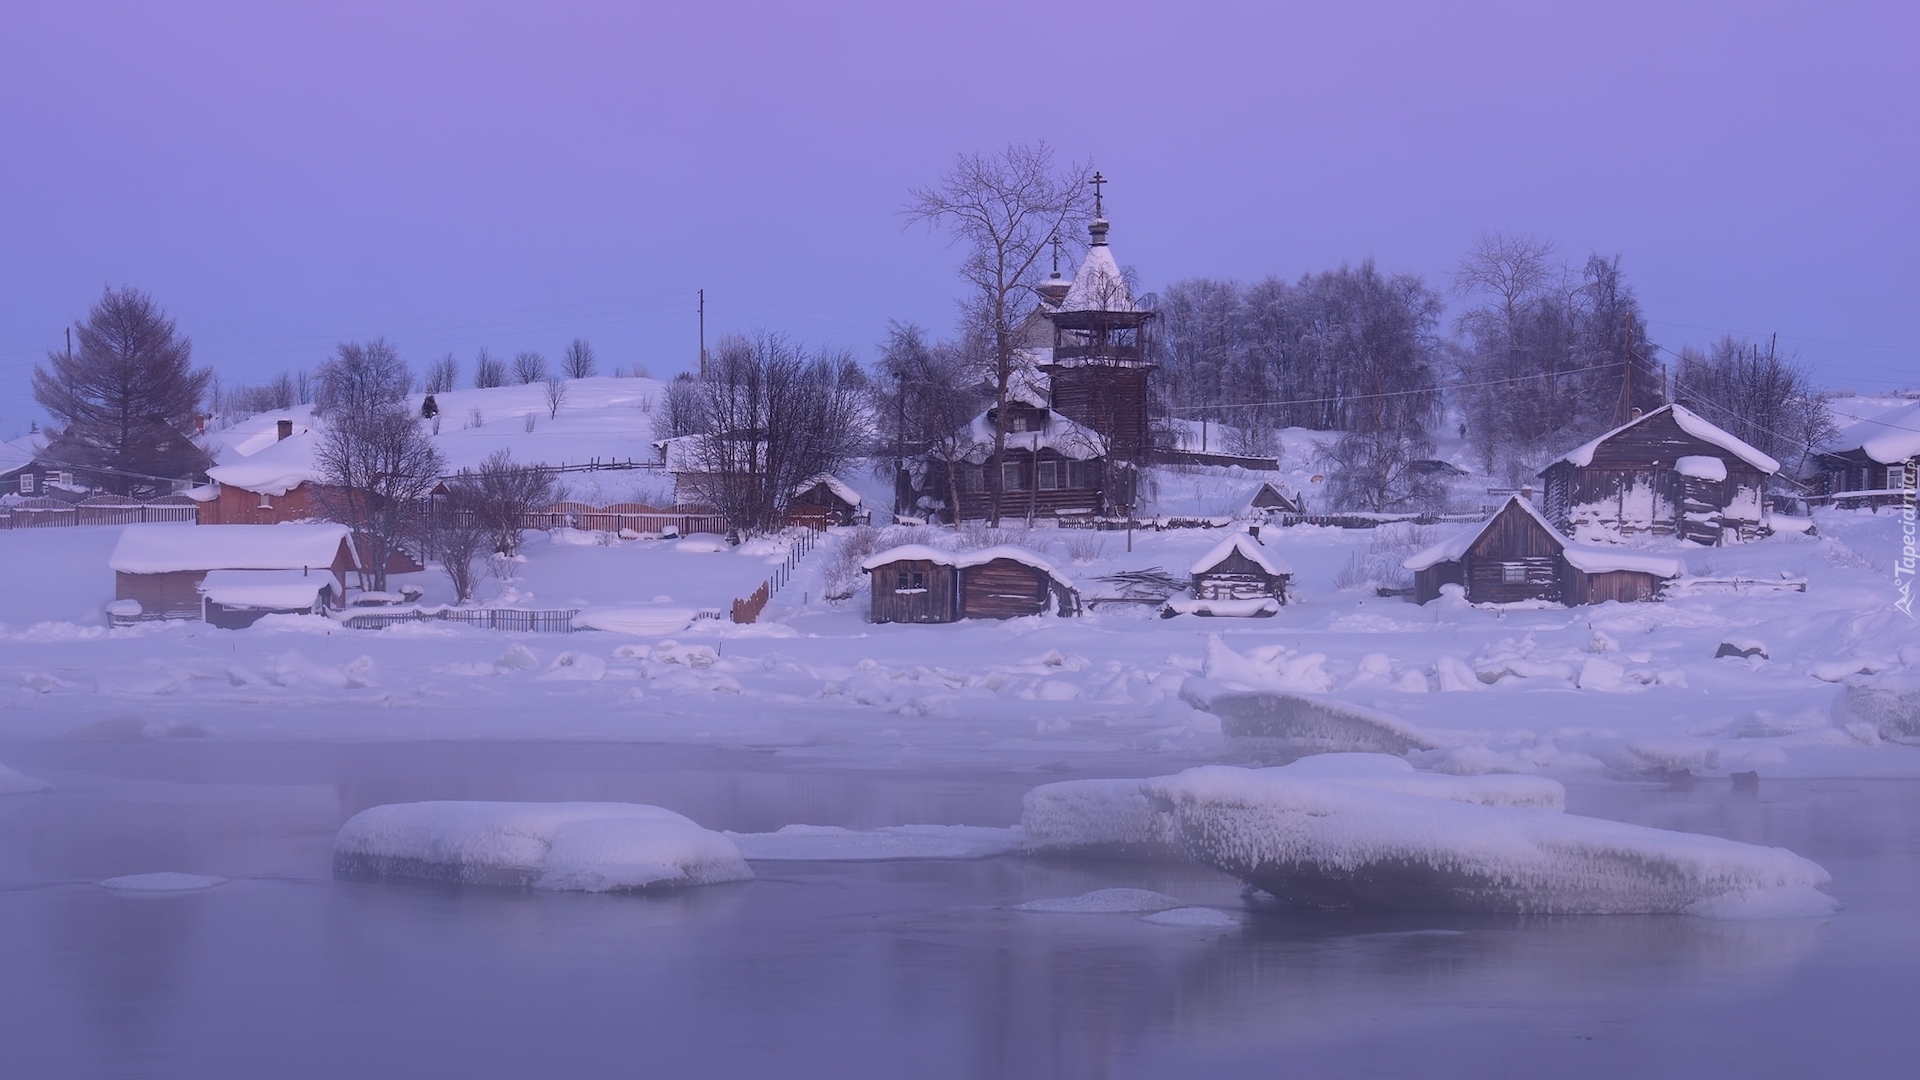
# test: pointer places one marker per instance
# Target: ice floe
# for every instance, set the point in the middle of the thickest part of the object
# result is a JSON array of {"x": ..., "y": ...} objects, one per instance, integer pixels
[
  {"x": 1106, "y": 902},
  {"x": 1330, "y": 842},
  {"x": 1285, "y": 723},
  {"x": 580, "y": 846},
  {"x": 165, "y": 881},
  {"x": 830, "y": 843},
  {"x": 14, "y": 782}
]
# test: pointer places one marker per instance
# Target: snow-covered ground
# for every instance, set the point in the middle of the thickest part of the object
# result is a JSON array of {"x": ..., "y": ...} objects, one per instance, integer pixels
[{"x": 1610, "y": 690}]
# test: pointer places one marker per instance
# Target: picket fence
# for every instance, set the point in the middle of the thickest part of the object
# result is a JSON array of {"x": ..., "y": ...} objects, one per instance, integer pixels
[{"x": 42, "y": 512}]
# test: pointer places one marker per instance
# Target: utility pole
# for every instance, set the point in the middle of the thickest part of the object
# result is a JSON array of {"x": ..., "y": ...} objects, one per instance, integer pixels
[
  {"x": 899, "y": 442},
  {"x": 703, "y": 333}
]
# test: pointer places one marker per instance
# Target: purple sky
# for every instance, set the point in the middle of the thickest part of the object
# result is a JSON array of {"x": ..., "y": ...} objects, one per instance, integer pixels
[{"x": 512, "y": 175}]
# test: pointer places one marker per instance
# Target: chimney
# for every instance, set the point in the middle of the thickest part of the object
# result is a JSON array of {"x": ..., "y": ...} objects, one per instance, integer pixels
[
  {"x": 285, "y": 428},
  {"x": 1253, "y": 530},
  {"x": 1526, "y": 493}
]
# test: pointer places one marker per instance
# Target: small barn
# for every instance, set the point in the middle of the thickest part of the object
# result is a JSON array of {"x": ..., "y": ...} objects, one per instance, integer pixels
[
  {"x": 1667, "y": 473},
  {"x": 1271, "y": 500},
  {"x": 917, "y": 584},
  {"x": 1871, "y": 462},
  {"x": 1516, "y": 555},
  {"x": 236, "y": 599},
  {"x": 164, "y": 567},
  {"x": 1238, "y": 577},
  {"x": 826, "y": 500}
]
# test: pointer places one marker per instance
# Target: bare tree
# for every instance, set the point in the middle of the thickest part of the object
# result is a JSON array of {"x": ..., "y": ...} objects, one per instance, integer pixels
[
  {"x": 460, "y": 534},
  {"x": 500, "y": 493},
  {"x": 127, "y": 399},
  {"x": 556, "y": 395},
  {"x": 579, "y": 362},
  {"x": 374, "y": 463},
  {"x": 768, "y": 417},
  {"x": 488, "y": 370},
  {"x": 925, "y": 403},
  {"x": 441, "y": 375},
  {"x": 529, "y": 367},
  {"x": 1763, "y": 398},
  {"x": 1003, "y": 209}
]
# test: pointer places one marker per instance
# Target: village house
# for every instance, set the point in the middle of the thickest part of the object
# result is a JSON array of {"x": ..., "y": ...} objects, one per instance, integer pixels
[
  {"x": 1050, "y": 466},
  {"x": 173, "y": 572},
  {"x": 1269, "y": 499},
  {"x": 822, "y": 501},
  {"x": 1667, "y": 473},
  {"x": 1871, "y": 461},
  {"x": 268, "y": 480},
  {"x": 918, "y": 584},
  {"x": 1517, "y": 555},
  {"x": 1238, "y": 577}
]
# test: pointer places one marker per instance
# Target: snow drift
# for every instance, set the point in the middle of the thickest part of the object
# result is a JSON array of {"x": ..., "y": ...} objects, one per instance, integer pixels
[
  {"x": 1325, "y": 841},
  {"x": 587, "y": 847},
  {"x": 1286, "y": 723}
]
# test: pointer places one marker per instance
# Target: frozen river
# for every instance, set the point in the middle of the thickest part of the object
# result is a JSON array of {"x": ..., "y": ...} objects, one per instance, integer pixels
[{"x": 914, "y": 969}]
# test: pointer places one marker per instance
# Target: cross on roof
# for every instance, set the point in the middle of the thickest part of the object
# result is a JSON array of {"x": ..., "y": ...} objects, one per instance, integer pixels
[
  {"x": 1096, "y": 182},
  {"x": 1055, "y": 241}
]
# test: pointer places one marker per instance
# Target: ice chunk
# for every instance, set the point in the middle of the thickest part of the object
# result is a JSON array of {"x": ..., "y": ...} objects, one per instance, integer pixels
[
  {"x": 1329, "y": 843},
  {"x": 592, "y": 847},
  {"x": 1382, "y": 772},
  {"x": 830, "y": 843},
  {"x": 1098, "y": 817},
  {"x": 1289, "y": 724},
  {"x": 1205, "y": 917},
  {"x": 14, "y": 782},
  {"x": 1106, "y": 902},
  {"x": 166, "y": 881},
  {"x": 1891, "y": 707}
]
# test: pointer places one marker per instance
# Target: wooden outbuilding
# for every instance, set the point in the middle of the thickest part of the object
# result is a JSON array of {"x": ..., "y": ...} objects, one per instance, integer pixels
[
  {"x": 824, "y": 500},
  {"x": 1240, "y": 568},
  {"x": 1269, "y": 499},
  {"x": 1871, "y": 462},
  {"x": 1516, "y": 555},
  {"x": 163, "y": 567},
  {"x": 273, "y": 483},
  {"x": 1668, "y": 473},
  {"x": 918, "y": 584}
]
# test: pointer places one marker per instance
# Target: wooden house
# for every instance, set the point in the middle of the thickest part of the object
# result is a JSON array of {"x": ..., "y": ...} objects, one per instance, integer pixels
[
  {"x": 1238, "y": 577},
  {"x": 1871, "y": 461},
  {"x": 824, "y": 500},
  {"x": 1051, "y": 466},
  {"x": 916, "y": 584},
  {"x": 1667, "y": 473},
  {"x": 1517, "y": 555},
  {"x": 163, "y": 567},
  {"x": 1269, "y": 499},
  {"x": 272, "y": 481}
]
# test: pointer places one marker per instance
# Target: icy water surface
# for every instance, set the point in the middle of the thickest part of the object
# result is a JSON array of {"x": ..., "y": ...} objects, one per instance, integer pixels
[{"x": 882, "y": 969}]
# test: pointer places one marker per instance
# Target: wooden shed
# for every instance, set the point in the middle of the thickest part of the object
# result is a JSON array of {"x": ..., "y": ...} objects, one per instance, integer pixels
[
  {"x": 825, "y": 500},
  {"x": 1270, "y": 499},
  {"x": 1240, "y": 568},
  {"x": 1516, "y": 555},
  {"x": 1668, "y": 473},
  {"x": 917, "y": 584},
  {"x": 163, "y": 567}
]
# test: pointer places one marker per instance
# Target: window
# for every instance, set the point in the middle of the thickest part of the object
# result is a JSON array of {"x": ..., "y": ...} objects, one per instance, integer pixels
[
  {"x": 970, "y": 478},
  {"x": 1018, "y": 422},
  {"x": 1049, "y": 478},
  {"x": 1896, "y": 477},
  {"x": 1513, "y": 573},
  {"x": 901, "y": 580},
  {"x": 1079, "y": 474},
  {"x": 1010, "y": 479},
  {"x": 26, "y": 483}
]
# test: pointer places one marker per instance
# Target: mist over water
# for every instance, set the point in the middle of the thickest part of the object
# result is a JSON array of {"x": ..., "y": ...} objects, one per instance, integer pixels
[{"x": 872, "y": 969}]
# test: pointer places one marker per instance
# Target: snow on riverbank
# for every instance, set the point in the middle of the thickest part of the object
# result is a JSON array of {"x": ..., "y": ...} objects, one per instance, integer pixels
[{"x": 1611, "y": 690}]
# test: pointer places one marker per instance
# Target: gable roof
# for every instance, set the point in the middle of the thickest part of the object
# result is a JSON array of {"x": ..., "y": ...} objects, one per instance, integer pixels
[
  {"x": 1586, "y": 558},
  {"x": 834, "y": 484},
  {"x": 1059, "y": 434},
  {"x": 164, "y": 549},
  {"x": 1099, "y": 285},
  {"x": 1890, "y": 437},
  {"x": 1688, "y": 421},
  {"x": 275, "y": 469},
  {"x": 1244, "y": 543}
]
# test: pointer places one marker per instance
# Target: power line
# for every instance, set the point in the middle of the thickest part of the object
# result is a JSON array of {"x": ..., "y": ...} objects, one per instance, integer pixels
[{"x": 1338, "y": 398}]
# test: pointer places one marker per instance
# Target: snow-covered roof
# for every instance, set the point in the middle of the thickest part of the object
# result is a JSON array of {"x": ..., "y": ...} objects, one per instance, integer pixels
[
  {"x": 1454, "y": 548},
  {"x": 963, "y": 559},
  {"x": 162, "y": 549},
  {"x": 1890, "y": 437},
  {"x": 19, "y": 453},
  {"x": 1701, "y": 467},
  {"x": 1246, "y": 545},
  {"x": 1059, "y": 434},
  {"x": 1099, "y": 286},
  {"x": 1027, "y": 384},
  {"x": 275, "y": 469},
  {"x": 1604, "y": 559},
  {"x": 275, "y": 589},
  {"x": 1691, "y": 423},
  {"x": 834, "y": 484},
  {"x": 1586, "y": 558}
]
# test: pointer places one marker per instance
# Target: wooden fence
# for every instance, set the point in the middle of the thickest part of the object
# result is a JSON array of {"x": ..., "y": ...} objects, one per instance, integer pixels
[
  {"x": 747, "y": 610},
  {"x": 43, "y": 512},
  {"x": 553, "y": 621},
  {"x": 639, "y": 517}
]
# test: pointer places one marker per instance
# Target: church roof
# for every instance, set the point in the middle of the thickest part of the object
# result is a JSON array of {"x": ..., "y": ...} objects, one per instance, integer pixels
[{"x": 1099, "y": 286}]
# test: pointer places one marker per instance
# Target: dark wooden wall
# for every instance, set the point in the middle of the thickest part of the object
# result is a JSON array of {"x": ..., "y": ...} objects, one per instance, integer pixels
[
  {"x": 1003, "y": 589},
  {"x": 934, "y": 605},
  {"x": 974, "y": 505},
  {"x": 1109, "y": 398},
  {"x": 1237, "y": 577},
  {"x": 1626, "y": 586},
  {"x": 238, "y": 506},
  {"x": 173, "y": 596},
  {"x": 1426, "y": 583}
]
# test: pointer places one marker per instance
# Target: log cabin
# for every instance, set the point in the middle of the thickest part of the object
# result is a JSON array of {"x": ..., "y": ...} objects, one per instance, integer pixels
[
  {"x": 1051, "y": 466},
  {"x": 272, "y": 483},
  {"x": 918, "y": 584},
  {"x": 1517, "y": 555},
  {"x": 163, "y": 567},
  {"x": 825, "y": 500},
  {"x": 1237, "y": 577},
  {"x": 1871, "y": 462},
  {"x": 1667, "y": 473},
  {"x": 1269, "y": 499}
]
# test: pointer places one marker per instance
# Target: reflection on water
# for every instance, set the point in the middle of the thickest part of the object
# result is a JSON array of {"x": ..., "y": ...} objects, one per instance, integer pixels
[{"x": 872, "y": 969}]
